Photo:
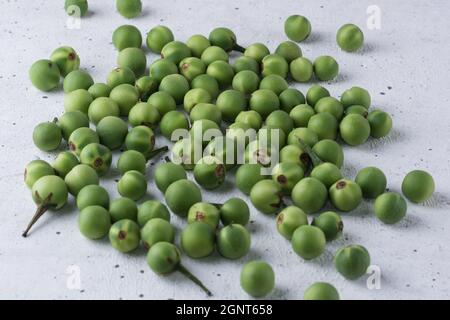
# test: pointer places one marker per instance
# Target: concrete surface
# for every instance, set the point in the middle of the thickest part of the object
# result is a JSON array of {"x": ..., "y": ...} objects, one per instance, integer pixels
[{"x": 405, "y": 65}]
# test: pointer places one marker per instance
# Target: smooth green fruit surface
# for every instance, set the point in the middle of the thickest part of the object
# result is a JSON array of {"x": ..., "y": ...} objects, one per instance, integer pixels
[
  {"x": 152, "y": 209},
  {"x": 390, "y": 207},
  {"x": 123, "y": 208},
  {"x": 197, "y": 240},
  {"x": 93, "y": 195},
  {"x": 94, "y": 222},
  {"x": 257, "y": 278},
  {"x": 352, "y": 261},
  {"x": 44, "y": 75},
  {"x": 181, "y": 195},
  {"x": 47, "y": 136},
  {"x": 157, "y": 230},
  {"x": 330, "y": 223},
  {"x": 37, "y": 169},
  {"x": 321, "y": 291},
  {"x": 308, "y": 242},
  {"x": 80, "y": 176},
  {"x": 124, "y": 235},
  {"x": 418, "y": 186},
  {"x": 372, "y": 182},
  {"x": 289, "y": 219},
  {"x": 349, "y": 37},
  {"x": 233, "y": 241},
  {"x": 310, "y": 195},
  {"x": 132, "y": 185},
  {"x": 297, "y": 28},
  {"x": 345, "y": 195}
]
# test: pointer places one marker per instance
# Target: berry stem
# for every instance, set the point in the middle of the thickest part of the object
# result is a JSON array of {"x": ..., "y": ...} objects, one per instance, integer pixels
[
  {"x": 41, "y": 209},
  {"x": 193, "y": 278},
  {"x": 156, "y": 152},
  {"x": 312, "y": 155},
  {"x": 238, "y": 48}
]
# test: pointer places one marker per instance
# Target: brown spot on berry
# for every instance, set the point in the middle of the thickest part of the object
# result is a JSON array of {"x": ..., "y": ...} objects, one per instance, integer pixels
[
  {"x": 341, "y": 184},
  {"x": 220, "y": 171},
  {"x": 199, "y": 216},
  {"x": 72, "y": 56},
  {"x": 185, "y": 66},
  {"x": 72, "y": 146},
  {"x": 282, "y": 179},
  {"x": 304, "y": 158},
  {"x": 122, "y": 235},
  {"x": 280, "y": 218},
  {"x": 98, "y": 162}
]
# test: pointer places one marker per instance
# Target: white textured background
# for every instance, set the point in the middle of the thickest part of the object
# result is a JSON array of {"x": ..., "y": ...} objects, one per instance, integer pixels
[{"x": 405, "y": 66}]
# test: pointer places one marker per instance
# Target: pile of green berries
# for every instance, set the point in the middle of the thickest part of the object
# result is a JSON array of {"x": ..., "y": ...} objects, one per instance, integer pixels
[{"x": 195, "y": 86}]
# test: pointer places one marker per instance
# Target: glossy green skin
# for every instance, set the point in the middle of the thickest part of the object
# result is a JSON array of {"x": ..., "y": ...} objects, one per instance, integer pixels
[
  {"x": 198, "y": 44},
  {"x": 266, "y": 196},
  {"x": 192, "y": 67},
  {"x": 175, "y": 51},
  {"x": 133, "y": 58},
  {"x": 222, "y": 72},
  {"x": 183, "y": 152},
  {"x": 345, "y": 195},
  {"x": 207, "y": 82},
  {"x": 251, "y": 118},
  {"x": 206, "y": 111},
  {"x": 264, "y": 102},
  {"x": 329, "y": 151},
  {"x": 330, "y": 105},
  {"x": 231, "y": 103},
  {"x": 44, "y": 75},
  {"x": 234, "y": 210},
  {"x": 246, "y": 81},
  {"x": 310, "y": 195},
  {"x": 99, "y": 89},
  {"x": 93, "y": 195},
  {"x": 176, "y": 85},
  {"x": 258, "y": 152},
  {"x": 289, "y": 219},
  {"x": 102, "y": 107},
  {"x": 123, "y": 208},
  {"x": 131, "y": 160},
  {"x": 142, "y": 139},
  {"x": 181, "y": 195},
  {"x": 257, "y": 278},
  {"x": 315, "y": 93},
  {"x": 275, "y": 83},
  {"x": 321, "y": 291},
  {"x": 152, "y": 209},
  {"x": 144, "y": 114},
  {"x": 129, "y": 8},
  {"x": 132, "y": 185},
  {"x": 81, "y": 4},
  {"x": 120, "y": 75},
  {"x": 267, "y": 131},
  {"x": 77, "y": 79},
  {"x": 233, "y": 241},
  {"x": 324, "y": 125},
  {"x": 301, "y": 115},
  {"x": 356, "y": 96},
  {"x": 349, "y": 37},
  {"x": 157, "y": 230},
  {"x": 246, "y": 63},
  {"x": 66, "y": 59},
  {"x": 171, "y": 121},
  {"x": 295, "y": 154},
  {"x": 224, "y": 149},
  {"x": 281, "y": 120},
  {"x": 47, "y": 136},
  {"x": 97, "y": 156},
  {"x": 287, "y": 174},
  {"x": 214, "y": 53},
  {"x": 306, "y": 135},
  {"x": 361, "y": 110},
  {"x": 112, "y": 132},
  {"x": 237, "y": 133},
  {"x": 289, "y": 50},
  {"x": 352, "y": 261},
  {"x": 308, "y": 242},
  {"x": 274, "y": 64},
  {"x": 209, "y": 173},
  {"x": 330, "y": 223},
  {"x": 204, "y": 212},
  {"x": 124, "y": 235},
  {"x": 327, "y": 173},
  {"x": 167, "y": 173},
  {"x": 161, "y": 68},
  {"x": 163, "y": 257},
  {"x": 223, "y": 38},
  {"x": 325, "y": 68},
  {"x": 79, "y": 177},
  {"x": 301, "y": 69},
  {"x": 158, "y": 37},
  {"x": 372, "y": 182},
  {"x": 194, "y": 97},
  {"x": 290, "y": 98},
  {"x": 390, "y": 207},
  {"x": 36, "y": 169},
  {"x": 163, "y": 102},
  {"x": 94, "y": 222},
  {"x": 297, "y": 28},
  {"x": 126, "y": 96},
  {"x": 126, "y": 36},
  {"x": 50, "y": 191},
  {"x": 247, "y": 176},
  {"x": 380, "y": 123},
  {"x": 197, "y": 240},
  {"x": 146, "y": 86},
  {"x": 72, "y": 120},
  {"x": 64, "y": 162},
  {"x": 77, "y": 100},
  {"x": 418, "y": 186},
  {"x": 257, "y": 51},
  {"x": 354, "y": 129}
]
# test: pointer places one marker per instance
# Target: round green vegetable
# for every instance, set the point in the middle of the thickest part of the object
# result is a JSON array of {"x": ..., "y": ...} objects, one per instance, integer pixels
[
  {"x": 64, "y": 162},
  {"x": 123, "y": 208},
  {"x": 224, "y": 38},
  {"x": 167, "y": 173},
  {"x": 146, "y": 86},
  {"x": 44, "y": 75},
  {"x": 194, "y": 97},
  {"x": 214, "y": 53},
  {"x": 289, "y": 50},
  {"x": 93, "y": 195},
  {"x": 66, "y": 59},
  {"x": 321, "y": 291},
  {"x": 372, "y": 182},
  {"x": 264, "y": 102},
  {"x": 380, "y": 123},
  {"x": 98, "y": 90},
  {"x": 287, "y": 174},
  {"x": 330, "y": 105},
  {"x": 47, "y": 136},
  {"x": 233, "y": 241},
  {"x": 79, "y": 177},
  {"x": 256, "y": 51},
  {"x": 131, "y": 160},
  {"x": 158, "y": 37},
  {"x": 330, "y": 223},
  {"x": 354, "y": 129},
  {"x": 198, "y": 44},
  {"x": 129, "y": 8},
  {"x": 309, "y": 194},
  {"x": 297, "y": 28},
  {"x": 222, "y": 72},
  {"x": 345, "y": 195},
  {"x": 163, "y": 102},
  {"x": 349, "y": 37},
  {"x": 102, "y": 107},
  {"x": 390, "y": 207},
  {"x": 257, "y": 278},
  {"x": 231, "y": 103},
  {"x": 352, "y": 261},
  {"x": 171, "y": 121},
  {"x": 315, "y": 93},
  {"x": 247, "y": 176},
  {"x": 204, "y": 212},
  {"x": 197, "y": 240},
  {"x": 112, "y": 132},
  {"x": 126, "y": 36},
  {"x": 274, "y": 64},
  {"x": 133, "y": 58},
  {"x": 329, "y": 151},
  {"x": 308, "y": 242},
  {"x": 418, "y": 186},
  {"x": 181, "y": 195},
  {"x": 70, "y": 121},
  {"x": 324, "y": 125},
  {"x": 77, "y": 79},
  {"x": 325, "y": 68},
  {"x": 120, "y": 75},
  {"x": 124, "y": 235},
  {"x": 289, "y": 219},
  {"x": 246, "y": 81},
  {"x": 78, "y": 100},
  {"x": 327, "y": 173},
  {"x": 97, "y": 156},
  {"x": 176, "y": 85},
  {"x": 192, "y": 67},
  {"x": 301, "y": 69},
  {"x": 157, "y": 230},
  {"x": 152, "y": 209},
  {"x": 175, "y": 51},
  {"x": 36, "y": 169},
  {"x": 132, "y": 185},
  {"x": 266, "y": 196},
  {"x": 356, "y": 96},
  {"x": 275, "y": 83},
  {"x": 246, "y": 63},
  {"x": 306, "y": 135},
  {"x": 207, "y": 82},
  {"x": 234, "y": 210},
  {"x": 290, "y": 98},
  {"x": 142, "y": 139},
  {"x": 126, "y": 96},
  {"x": 301, "y": 115},
  {"x": 143, "y": 113},
  {"x": 209, "y": 172},
  {"x": 94, "y": 222}
]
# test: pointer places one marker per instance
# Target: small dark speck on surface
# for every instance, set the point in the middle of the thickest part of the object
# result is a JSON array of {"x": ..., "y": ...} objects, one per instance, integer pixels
[
  {"x": 218, "y": 274},
  {"x": 142, "y": 271},
  {"x": 81, "y": 291},
  {"x": 415, "y": 250},
  {"x": 429, "y": 149},
  {"x": 433, "y": 279},
  {"x": 321, "y": 7},
  {"x": 116, "y": 266},
  {"x": 376, "y": 156},
  {"x": 57, "y": 232},
  {"x": 252, "y": 221},
  {"x": 382, "y": 93},
  {"x": 116, "y": 180},
  {"x": 141, "y": 295},
  {"x": 44, "y": 97},
  {"x": 161, "y": 20},
  {"x": 408, "y": 285},
  {"x": 13, "y": 123},
  {"x": 122, "y": 276},
  {"x": 389, "y": 88},
  {"x": 236, "y": 8}
]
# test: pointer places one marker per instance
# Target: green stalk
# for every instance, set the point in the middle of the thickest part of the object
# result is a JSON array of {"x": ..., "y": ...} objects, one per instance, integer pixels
[
  {"x": 41, "y": 209},
  {"x": 193, "y": 278},
  {"x": 156, "y": 152},
  {"x": 238, "y": 48},
  {"x": 312, "y": 155}
]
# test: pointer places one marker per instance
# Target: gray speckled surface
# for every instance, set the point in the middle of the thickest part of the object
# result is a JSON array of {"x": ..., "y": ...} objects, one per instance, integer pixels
[{"x": 404, "y": 65}]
